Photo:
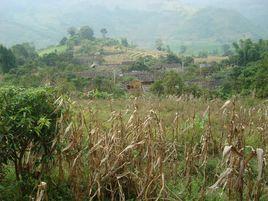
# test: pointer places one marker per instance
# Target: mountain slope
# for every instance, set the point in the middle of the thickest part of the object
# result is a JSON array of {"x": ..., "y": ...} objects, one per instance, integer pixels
[
  {"x": 46, "y": 22},
  {"x": 220, "y": 25}
]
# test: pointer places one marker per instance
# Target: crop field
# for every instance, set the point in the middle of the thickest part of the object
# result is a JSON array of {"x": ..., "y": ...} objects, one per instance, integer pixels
[
  {"x": 210, "y": 59},
  {"x": 58, "y": 49},
  {"x": 159, "y": 149},
  {"x": 128, "y": 54}
]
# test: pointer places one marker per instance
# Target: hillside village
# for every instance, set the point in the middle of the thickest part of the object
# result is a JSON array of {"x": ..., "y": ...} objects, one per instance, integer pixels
[
  {"x": 86, "y": 65},
  {"x": 114, "y": 61},
  {"x": 155, "y": 100}
]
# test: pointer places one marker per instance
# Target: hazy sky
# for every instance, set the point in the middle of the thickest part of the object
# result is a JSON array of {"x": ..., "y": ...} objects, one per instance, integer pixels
[
  {"x": 147, "y": 4},
  {"x": 142, "y": 4},
  {"x": 133, "y": 3},
  {"x": 192, "y": 2}
]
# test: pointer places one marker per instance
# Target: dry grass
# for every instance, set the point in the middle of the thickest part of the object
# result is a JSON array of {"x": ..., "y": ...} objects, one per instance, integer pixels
[
  {"x": 148, "y": 149},
  {"x": 119, "y": 56},
  {"x": 210, "y": 59}
]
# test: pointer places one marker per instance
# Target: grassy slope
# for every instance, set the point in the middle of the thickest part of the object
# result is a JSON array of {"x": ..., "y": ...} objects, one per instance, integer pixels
[
  {"x": 51, "y": 49},
  {"x": 116, "y": 55}
]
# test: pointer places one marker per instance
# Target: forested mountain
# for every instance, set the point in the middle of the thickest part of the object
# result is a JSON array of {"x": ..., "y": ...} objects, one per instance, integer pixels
[{"x": 199, "y": 26}]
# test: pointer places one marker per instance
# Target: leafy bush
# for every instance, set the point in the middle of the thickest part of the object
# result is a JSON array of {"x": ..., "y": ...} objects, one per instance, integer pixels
[
  {"x": 158, "y": 88},
  {"x": 247, "y": 80},
  {"x": 24, "y": 53},
  {"x": 188, "y": 60},
  {"x": 7, "y": 59},
  {"x": 28, "y": 131},
  {"x": 143, "y": 64},
  {"x": 172, "y": 58},
  {"x": 194, "y": 90},
  {"x": 139, "y": 65},
  {"x": 96, "y": 94},
  {"x": 171, "y": 84}
]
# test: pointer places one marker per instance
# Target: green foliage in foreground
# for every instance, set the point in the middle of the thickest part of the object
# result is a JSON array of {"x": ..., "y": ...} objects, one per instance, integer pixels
[{"x": 28, "y": 130}]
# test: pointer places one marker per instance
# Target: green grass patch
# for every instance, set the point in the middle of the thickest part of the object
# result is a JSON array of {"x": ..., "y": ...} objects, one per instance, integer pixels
[{"x": 51, "y": 49}]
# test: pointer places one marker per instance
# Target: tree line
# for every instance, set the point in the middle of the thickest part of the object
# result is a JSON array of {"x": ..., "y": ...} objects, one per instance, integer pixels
[{"x": 244, "y": 72}]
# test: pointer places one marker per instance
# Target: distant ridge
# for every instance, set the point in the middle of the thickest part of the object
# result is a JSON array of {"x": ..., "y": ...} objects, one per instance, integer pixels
[{"x": 45, "y": 23}]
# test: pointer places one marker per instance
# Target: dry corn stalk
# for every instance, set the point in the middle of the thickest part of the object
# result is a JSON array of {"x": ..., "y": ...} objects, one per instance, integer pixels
[
  {"x": 132, "y": 156},
  {"x": 41, "y": 192},
  {"x": 238, "y": 162}
]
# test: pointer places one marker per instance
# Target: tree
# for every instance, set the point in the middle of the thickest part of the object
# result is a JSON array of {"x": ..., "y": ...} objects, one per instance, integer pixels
[
  {"x": 87, "y": 47},
  {"x": 172, "y": 58},
  {"x": 226, "y": 50},
  {"x": 104, "y": 32},
  {"x": 159, "y": 45},
  {"x": 173, "y": 83},
  {"x": 246, "y": 51},
  {"x": 188, "y": 60},
  {"x": 86, "y": 32},
  {"x": 124, "y": 42},
  {"x": 140, "y": 65},
  {"x": 73, "y": 41},
  {"x": 168, "y": 49},
  {"x": 71, "y": 31},
  {"x": 249, "y": 75},
  {"x": 24, "y": 53},
  {"x": 183, "y": 49},
  {"x": 203, "y": 54},
  {"x": 63, "y": 41},
  {"x": 261, "y": 79},
  {"x": 29, "y": 128},
  {"x": 158, "y": 88},
  {"x": 50, "y": 59},
  {"x": 194, "y": 90},
  {"x": 7, "y": 59}
]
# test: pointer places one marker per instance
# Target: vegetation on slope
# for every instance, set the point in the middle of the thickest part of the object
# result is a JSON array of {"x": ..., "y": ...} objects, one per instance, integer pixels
[{"x": 82, "y": 63}]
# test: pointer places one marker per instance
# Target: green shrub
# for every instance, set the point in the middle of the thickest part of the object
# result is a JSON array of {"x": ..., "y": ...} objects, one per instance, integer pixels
[
  {"x": 28, "y": 130},
  {"x": 194, "y": 90},
  {"x": 96, "y": 94},
  {"x": 158, "y": 88},
  {"x": 171, "y": 84}
]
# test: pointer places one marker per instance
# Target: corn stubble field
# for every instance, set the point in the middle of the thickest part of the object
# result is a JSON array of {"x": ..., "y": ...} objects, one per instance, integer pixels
[{"x": 168, "y": 149}]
